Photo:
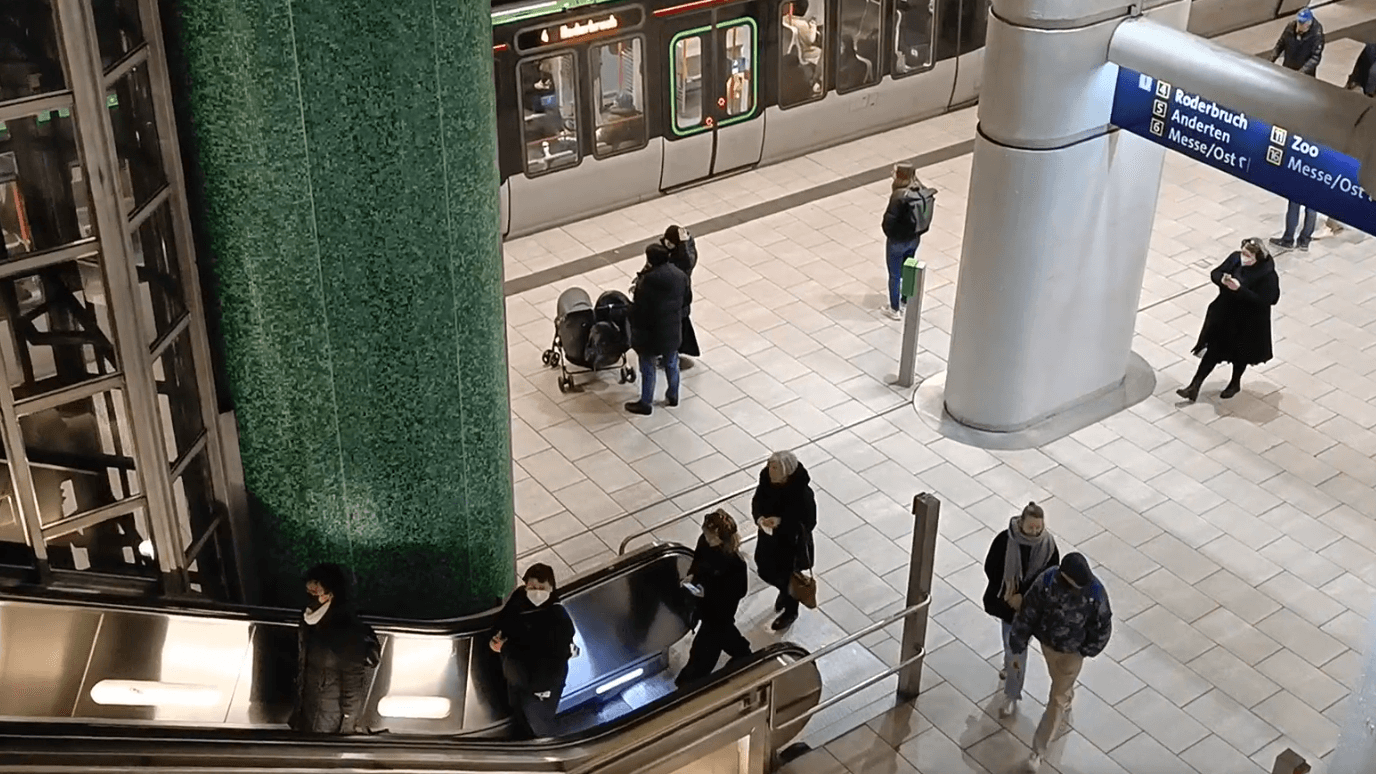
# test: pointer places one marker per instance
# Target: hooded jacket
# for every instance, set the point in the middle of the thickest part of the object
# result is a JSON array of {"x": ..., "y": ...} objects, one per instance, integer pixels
[
  {"x": 1301, "y": 52},
  {"x": 539, "y": 642},
  {"x": 332, "y": 672},
  {"x": 790, "y": 548},
  {"x": 1065, "y": 619}
]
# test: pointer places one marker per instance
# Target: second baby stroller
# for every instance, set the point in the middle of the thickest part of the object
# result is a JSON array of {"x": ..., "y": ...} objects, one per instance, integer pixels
[{"x": 591, "y": 337}]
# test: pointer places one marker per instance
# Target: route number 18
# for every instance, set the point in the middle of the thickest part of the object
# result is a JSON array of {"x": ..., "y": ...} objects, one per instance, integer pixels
[{"x": 1307, "y": 148}]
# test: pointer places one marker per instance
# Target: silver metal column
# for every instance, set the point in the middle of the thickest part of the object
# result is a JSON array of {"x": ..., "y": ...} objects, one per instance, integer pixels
[{"x": 1060, "y": 216}]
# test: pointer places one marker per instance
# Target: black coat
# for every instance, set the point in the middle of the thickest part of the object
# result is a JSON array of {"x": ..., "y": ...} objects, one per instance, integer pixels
[
  {"x": 332, "y": 674},
  {"x": 657, "y": 310},
  {"x": 900, "y": 222},
  {"x": 1237, "y": 326},
  {"x": 539, "y": 642},
  {"x": 1364, "y": 71},
  {"x": 685, "y": 257},
  {"x": 723, "y": 579},
  {"x": 790, "y": 548},
  {"x": 1300, "y": 52},
  {"x": 994, "y": 603}
]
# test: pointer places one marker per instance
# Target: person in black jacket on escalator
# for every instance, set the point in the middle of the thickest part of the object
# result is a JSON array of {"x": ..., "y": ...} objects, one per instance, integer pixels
[
  {"x": 785, "y": 509},
  {"x": 534, "y": 635},
  {"x": 719, "y": 580},
  {"x": 336, "y": 655}
]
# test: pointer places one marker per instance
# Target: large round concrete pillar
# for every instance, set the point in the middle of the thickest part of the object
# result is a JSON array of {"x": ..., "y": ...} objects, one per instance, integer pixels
[
  {"x": 348, "y": 150},
  {"x": 1059, "y": 219}
]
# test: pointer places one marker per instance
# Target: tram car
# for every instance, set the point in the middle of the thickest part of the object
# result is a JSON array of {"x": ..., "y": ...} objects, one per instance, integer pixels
[{"x": 605, "y": 103}]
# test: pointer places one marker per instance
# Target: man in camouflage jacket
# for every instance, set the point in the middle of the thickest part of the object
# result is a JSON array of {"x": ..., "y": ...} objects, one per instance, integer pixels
[{"x": 1067, "y": 610}]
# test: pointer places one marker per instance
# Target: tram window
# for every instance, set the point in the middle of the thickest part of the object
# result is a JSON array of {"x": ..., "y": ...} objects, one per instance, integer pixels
[
  {"x": 857, "y": 46},
  {"x": 738, "y": 46},
  {"x": 618, "y": 78},
  {"x": 549, "y": 113},
  {"x": 687, "y": 82},
  {"x": 912, "y": 35},
  {"x": 800, "y": 51}
]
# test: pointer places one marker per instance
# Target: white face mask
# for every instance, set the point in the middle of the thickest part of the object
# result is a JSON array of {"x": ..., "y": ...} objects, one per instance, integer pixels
[
  {"x": 537, "y": 597},
  {"x": 766, "y": 529}
]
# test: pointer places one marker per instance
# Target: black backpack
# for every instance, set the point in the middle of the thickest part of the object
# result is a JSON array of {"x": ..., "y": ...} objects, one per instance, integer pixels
[{"x": 923, "y": 206}]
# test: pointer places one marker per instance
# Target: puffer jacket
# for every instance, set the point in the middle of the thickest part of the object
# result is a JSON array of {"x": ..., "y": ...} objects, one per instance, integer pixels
[
  {"x": 1062, "y": 618},
  {"x": 332, "y": 674},
  {"x": 900, "y": 221},
  {"x": 791, "y": 547}
]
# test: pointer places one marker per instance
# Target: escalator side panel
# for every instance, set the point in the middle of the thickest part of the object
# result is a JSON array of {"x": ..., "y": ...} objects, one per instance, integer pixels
[
  {"x": 43, "y": 656},
  {"x": 424, "y": 666}
]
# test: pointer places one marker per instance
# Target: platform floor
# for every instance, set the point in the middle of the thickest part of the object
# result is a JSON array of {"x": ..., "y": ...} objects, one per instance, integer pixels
[{"x": 1237, "y": 538}]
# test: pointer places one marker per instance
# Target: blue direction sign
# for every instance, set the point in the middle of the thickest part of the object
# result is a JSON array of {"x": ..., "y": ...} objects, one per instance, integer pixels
[{"x": 1266, "y": 156}]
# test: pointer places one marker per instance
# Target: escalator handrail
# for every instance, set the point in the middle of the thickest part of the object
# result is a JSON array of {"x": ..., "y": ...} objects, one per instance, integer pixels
[
  {"x": 457, "y": 626},
  {"x": 29, "y": 731}
]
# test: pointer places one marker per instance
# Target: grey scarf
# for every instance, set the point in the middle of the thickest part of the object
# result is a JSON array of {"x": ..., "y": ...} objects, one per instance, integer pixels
[{"x": 1042, "y": 548}]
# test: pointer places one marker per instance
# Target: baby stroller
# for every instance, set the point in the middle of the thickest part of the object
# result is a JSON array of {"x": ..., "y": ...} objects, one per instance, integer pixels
[{"x": 592, "y": 337}]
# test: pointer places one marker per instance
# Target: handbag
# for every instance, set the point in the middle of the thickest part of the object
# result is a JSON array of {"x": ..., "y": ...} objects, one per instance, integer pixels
[{"x": 803, "y": 587}]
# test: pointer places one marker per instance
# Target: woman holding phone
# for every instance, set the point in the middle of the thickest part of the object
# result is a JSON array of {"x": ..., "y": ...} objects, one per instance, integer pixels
[
  {"x": 1237, "y": 326},
  {"x": 718, "y": 578}
]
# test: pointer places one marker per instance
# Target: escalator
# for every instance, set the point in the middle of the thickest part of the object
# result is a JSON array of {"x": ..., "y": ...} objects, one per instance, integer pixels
[{"x": 108, "y": 686}]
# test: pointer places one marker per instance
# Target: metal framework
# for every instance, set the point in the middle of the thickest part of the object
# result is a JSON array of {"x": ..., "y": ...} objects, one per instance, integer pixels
[{"x": 116, "y": 471}]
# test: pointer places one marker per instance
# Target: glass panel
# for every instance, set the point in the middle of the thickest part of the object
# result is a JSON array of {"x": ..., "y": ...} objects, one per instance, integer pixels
[
  {"x": 618, "y": 78},
  {"x": 136, "y": 138},
  {"x": 857, "y": 48},
  {"x": 81, "y": 455},
  {"x": 120, "y": 545},
  {"x": 800, "y": 52},
  {"x": 30, "y": 58},
  {"x": 44, "y": 202},
  {"x": 912, "y": 25},
  {"x": 118, "y": 29},
  {"x": 61, "y": 327},
  {"x": 196, "y": 512},
  {"x": 688, "y": 82},
  {"x": 14, "y": 543},
  {"x": 179, "y": 404},
  {"x": 738, "y": 44},
  {"x": 550, "y": 112},
  {"x": 161, "y": 302}
]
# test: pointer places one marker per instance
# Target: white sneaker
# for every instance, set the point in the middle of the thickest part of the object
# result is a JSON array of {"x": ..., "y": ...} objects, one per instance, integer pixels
[
  {"x": 1007, "y": 707},
  {"x": 1034, "y": 762},
  {"x": 891, "y": 313}
]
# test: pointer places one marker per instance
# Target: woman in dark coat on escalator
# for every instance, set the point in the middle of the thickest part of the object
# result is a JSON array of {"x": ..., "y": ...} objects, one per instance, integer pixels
[
  {"x": 1237, "y": 326},
  {"x": 336, "y": 655},
  {"x": 534, "y": 635},
  {"x": 719, "y": 580},
  {"x": 785, "y": 509}
]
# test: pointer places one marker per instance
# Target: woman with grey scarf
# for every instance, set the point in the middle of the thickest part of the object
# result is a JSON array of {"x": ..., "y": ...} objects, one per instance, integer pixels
[{"x": 1017, "y": 557}]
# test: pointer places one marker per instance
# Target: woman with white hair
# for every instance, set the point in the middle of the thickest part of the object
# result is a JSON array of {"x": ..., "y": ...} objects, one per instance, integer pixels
[{"x": 785, "y": 510}]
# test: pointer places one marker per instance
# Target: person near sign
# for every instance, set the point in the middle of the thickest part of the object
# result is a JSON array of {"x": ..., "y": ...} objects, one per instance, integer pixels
[
  {"x": 1237, "y": 325},
  {"x": 1300, "y": 48}
]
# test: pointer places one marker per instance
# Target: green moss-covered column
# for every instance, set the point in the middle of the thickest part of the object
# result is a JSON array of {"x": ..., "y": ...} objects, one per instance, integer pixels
[{"x": 348, "y": 153}]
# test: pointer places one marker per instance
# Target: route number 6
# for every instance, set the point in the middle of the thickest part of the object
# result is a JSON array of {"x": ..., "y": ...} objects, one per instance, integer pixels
[{"x": 1307, "y": 148}]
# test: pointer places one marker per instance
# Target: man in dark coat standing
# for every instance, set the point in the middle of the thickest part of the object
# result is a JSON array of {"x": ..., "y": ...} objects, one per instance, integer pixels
[
  {"x": 337, "y": 654},
  {"x": 660, "y": 293},
  {"x": 1300, "y": 47}
]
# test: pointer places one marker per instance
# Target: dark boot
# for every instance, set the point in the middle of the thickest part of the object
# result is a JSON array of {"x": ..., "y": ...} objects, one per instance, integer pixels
[
  {"x": 1232, "y": 389},
  {"x": 1189, "y": 392}
]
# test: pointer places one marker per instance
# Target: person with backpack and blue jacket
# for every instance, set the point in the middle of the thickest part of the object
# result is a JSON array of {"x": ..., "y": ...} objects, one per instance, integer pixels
[
  {"x": 1067, "y": 610},
  {"x": 906, "y": 218}
]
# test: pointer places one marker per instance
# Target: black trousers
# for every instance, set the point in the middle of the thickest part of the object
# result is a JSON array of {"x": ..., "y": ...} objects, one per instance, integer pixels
[
  {"x": 532, "y": 716},
  {"x": 1207, "y": 365},
  {"x": 713, "y": 638},
  {"x": 785, "y": 596}
]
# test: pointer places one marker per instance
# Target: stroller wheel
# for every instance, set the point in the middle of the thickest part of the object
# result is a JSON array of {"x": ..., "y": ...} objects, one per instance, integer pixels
[
  {"x": 547, "y": 356},
  {"x": 565, "y": 384},
  {"x": 627, "y": 375},
  {"x": 554, "y": 359}
]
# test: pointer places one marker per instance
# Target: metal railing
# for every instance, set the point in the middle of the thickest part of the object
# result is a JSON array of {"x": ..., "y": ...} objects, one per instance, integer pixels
[{"x": 705, "y": 507}]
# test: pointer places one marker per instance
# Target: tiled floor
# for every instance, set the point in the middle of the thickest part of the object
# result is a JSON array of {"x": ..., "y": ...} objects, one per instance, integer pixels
[{"x": 1237, "y": 538}]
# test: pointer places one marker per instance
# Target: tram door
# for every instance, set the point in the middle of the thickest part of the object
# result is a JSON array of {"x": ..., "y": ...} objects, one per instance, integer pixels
[{"x": 715, "y": 123}]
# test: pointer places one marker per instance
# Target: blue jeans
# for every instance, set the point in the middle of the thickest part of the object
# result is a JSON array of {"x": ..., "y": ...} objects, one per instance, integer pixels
[
  {"x": 1292, "y": 219},
  {"x": 647, "y": 377},
  {"x": 896, "y": 253},
  {"x": 1012, "y": 684}
]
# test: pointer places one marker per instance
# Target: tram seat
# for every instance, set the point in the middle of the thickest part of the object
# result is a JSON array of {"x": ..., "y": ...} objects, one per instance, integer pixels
[{"x": 800, "y": 79}]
